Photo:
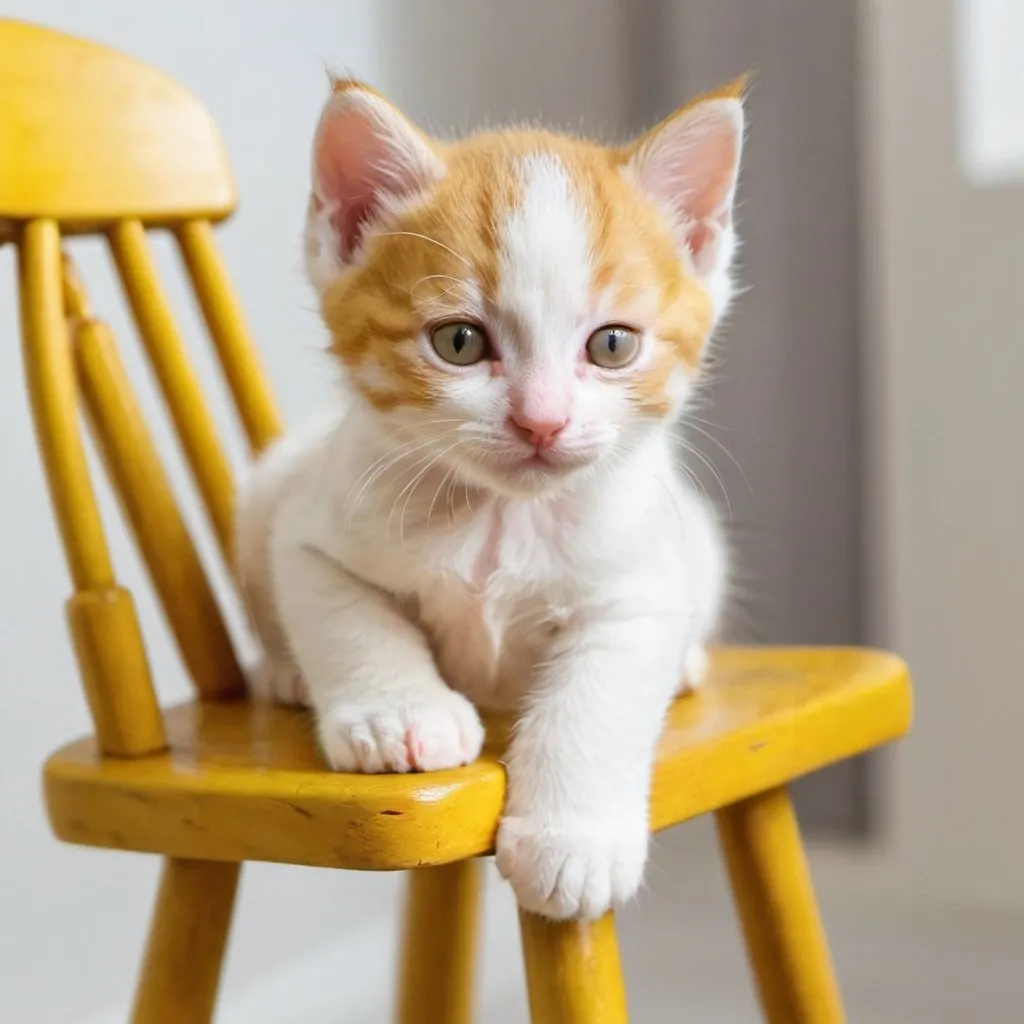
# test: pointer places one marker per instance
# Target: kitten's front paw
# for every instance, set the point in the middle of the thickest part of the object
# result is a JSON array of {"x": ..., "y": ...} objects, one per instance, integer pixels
[
  {"x": 400, "y": 732},
  {"x": 575, "y": 871}
]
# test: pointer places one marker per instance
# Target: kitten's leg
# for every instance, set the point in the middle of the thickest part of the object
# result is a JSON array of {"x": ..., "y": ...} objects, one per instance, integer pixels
[
  {"x": 381, "y": 705},
  {"x": 695, "y": 669},
  {"x": 573, "y": 841},
  {"x": 277, "y": 678}
]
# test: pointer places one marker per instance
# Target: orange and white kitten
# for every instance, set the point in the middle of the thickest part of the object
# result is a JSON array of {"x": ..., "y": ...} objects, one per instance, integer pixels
[{"x": 491, "y": 517}]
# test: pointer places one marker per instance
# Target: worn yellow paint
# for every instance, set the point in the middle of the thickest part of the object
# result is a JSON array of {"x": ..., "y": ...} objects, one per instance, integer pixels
[
  {"x": 115, "y": 672},
  {"x": 232, "y": 342},
  {"x": 772, "y": 886},
  {"x": 770, "y": 715},
  {"x": 101, "y": 615},
  {"x": 572, "y": 971},
  {"x": 439, "y": 944},
  {"x": 186, "y": 944},
  {"x": 178, "y": 381},
  {"x": 90, "y": 135},
  {"x": 50, "y": 378},
  {"x": 145, "y": 492},
  {"x": 244, "y": 781}
]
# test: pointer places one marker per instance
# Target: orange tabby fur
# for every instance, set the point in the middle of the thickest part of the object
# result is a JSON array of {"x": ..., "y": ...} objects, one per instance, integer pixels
[{"x": 379, "y": 305}]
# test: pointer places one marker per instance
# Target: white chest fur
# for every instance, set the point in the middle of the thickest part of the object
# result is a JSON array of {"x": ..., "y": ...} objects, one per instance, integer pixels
[
  {"x": 492, "y": 583},
  {"x": 489, "y": 617}
]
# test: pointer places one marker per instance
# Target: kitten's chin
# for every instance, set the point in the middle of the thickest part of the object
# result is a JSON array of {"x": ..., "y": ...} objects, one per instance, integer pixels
[{"x": 526, "y": 478}]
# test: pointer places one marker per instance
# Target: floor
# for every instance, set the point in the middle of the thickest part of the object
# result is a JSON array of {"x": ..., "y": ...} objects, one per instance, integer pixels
[
  {"x": 682, "y": 953},
  {"x": 683, "y": 959}
]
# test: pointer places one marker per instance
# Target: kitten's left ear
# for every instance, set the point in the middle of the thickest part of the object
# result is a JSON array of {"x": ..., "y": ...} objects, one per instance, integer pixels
[{"x": 689, "y": 163}]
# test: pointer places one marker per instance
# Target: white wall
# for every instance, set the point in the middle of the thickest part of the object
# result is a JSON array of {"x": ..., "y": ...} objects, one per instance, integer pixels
[{"x": 72, "y": 921}]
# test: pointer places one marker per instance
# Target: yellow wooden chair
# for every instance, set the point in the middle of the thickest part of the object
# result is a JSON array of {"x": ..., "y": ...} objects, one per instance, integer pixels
[{"x": 94, "y": 143}]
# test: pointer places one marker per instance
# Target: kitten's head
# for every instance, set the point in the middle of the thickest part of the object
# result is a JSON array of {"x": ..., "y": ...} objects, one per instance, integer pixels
[{"x": 521, "y": 304}]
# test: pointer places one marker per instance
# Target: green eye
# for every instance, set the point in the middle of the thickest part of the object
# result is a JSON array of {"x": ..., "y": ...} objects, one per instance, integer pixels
[
  {"x": 613, "y": 347},
  {"x": 459, "y": 344}
]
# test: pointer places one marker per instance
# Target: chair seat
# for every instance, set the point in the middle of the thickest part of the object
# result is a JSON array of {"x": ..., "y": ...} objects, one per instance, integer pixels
[{"x": 244, "y": 781}]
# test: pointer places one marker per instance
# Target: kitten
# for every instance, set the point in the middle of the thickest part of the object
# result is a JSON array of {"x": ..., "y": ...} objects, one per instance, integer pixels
[{"x": 492, "y": 518}]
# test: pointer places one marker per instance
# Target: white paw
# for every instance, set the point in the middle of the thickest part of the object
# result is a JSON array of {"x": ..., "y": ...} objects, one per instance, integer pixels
[
  {"x": 279, "y": 681},
  {"x": 572, "y": 872},
  {"x": 401, "y": 732},
  {"x": 695, "y": 669}
]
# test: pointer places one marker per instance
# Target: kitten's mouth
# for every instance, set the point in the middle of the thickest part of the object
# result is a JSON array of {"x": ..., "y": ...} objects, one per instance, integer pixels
[
  {"x": 533, "y": 472},
  {"x": 552, "y": 460}
]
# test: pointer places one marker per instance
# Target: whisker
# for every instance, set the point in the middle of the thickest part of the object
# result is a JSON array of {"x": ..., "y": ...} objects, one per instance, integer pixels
[
  {"x": 450, "y": 500},
  {"x": 377, "y": 468},
  {"x": 437, "y": 492},
  {"x": 409, "y": 490},
  {"x": 457, "y": 281},
  {"x": 711, "y": 437},
  {"x": 714, "y": 472},
  {"x": 692, "y": 478},
  {"x": 426, "y": 238},
  {"x": 381, "y": 466}
]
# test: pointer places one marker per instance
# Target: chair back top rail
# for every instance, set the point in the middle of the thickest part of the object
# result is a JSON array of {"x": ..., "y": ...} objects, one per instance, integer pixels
[
  {"x": 89, "y": 136},
  {"x": 94, "y": 141}
]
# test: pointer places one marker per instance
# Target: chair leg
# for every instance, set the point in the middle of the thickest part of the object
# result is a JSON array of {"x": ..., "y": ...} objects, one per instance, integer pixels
[
  {"x": 439, "y": 944},
  {"x": 772, "y": 887},
  {"x": 572, "y": 971},
  {"x": 186, "y": 942}
]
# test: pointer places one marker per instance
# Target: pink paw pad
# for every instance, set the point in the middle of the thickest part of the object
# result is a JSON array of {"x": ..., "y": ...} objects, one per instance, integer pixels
[{"x": 414, "y": 744}]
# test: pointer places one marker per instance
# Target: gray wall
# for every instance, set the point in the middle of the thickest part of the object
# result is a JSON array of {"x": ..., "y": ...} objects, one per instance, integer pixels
[
  {"x": 945, "y": 267},
  {"x": 786, "y": 396}
]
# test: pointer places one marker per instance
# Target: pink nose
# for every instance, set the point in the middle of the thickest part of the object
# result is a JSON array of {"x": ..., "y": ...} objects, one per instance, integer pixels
[{"x": 541, "y": 433}]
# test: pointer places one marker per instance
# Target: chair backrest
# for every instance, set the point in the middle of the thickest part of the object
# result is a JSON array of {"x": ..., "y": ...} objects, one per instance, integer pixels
[{"x": 93, "y": 142}]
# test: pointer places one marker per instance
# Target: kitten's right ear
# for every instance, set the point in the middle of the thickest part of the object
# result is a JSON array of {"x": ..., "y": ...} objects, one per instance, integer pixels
[{"x": 367, "y": 157}]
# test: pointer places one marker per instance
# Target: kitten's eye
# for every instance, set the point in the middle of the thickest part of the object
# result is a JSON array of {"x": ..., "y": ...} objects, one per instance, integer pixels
[
  {"x": 460, "y": 344},
  {"x": 613, "y": 347}
]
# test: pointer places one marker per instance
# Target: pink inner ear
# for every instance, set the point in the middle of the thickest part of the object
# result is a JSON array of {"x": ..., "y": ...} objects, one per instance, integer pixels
[
  {"x": 698, "y": 237},
  {"x": 348, "y": 221},
  {"x": 350, "y": 170},
  {"x": 691, "y": 165},
  {"x": 709, "y": 173}
]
